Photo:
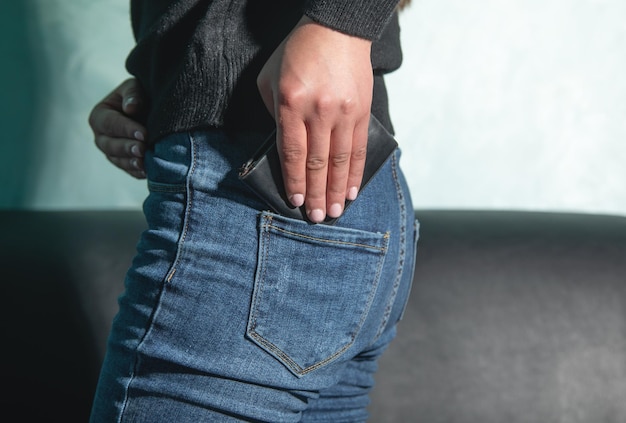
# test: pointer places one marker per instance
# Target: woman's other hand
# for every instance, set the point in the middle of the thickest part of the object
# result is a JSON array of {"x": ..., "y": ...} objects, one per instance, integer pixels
[{"x": 117, "y": 130}]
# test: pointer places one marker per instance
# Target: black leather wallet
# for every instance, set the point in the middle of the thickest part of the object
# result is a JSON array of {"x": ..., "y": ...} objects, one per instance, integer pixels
[{"x": 263, "y": 175}]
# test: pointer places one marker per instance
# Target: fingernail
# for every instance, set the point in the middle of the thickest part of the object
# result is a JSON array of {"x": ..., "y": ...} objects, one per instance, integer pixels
[
  {"x": 136, "y": 150},
  {"x": 316, "y": 215},
  {"x": 297, "y": 200},
  {"x": 129, "y": 100},
  {"x": 138, "y": 135},
  {"x": 335, "y": 210},
  {"x": 352, "y": 193},
  {"x": 135, "y": 163}
]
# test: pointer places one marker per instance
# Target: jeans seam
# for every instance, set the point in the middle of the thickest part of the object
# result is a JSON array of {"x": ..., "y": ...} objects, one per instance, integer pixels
[
  {"x": 402, "y": 252},
  {"x": 168, "y": 276},
  {"x": 414, "y": 245},
  {"x": 188, "y": 206}
]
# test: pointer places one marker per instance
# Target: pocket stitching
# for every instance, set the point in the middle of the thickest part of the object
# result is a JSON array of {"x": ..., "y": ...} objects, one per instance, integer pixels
[
  {"x": 331, "y": 241},
  {"x": 275, "y": 350},
  {"x": 167, "y": 188}
]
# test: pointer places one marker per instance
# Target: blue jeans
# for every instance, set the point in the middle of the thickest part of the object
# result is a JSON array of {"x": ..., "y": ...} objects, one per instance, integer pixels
[{"x": 232, "y": 313}]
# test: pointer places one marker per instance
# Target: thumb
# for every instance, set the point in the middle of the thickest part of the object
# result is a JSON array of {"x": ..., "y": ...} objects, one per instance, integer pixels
[{"x": 132, "y": 97}]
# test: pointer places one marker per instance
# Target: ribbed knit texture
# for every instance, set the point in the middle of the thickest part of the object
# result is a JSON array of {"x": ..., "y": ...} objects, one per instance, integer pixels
[
  {"x": 198, "y": 59},
  {"x": 363, "y": 18}
]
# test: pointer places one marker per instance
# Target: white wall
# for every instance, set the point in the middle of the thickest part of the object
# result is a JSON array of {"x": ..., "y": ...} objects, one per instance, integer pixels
[
  {"x": 517, "y": 104},
  {"x": 514, "y": 104}
]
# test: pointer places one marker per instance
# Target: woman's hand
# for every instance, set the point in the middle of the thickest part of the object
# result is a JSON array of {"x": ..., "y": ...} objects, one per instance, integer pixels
[
  {"x": 117, "y": 132},
  {"x": 318, "y": 87}
]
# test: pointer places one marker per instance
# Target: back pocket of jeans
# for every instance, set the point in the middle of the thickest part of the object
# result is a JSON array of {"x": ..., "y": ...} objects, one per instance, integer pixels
[{"x": 313, "y": 289}]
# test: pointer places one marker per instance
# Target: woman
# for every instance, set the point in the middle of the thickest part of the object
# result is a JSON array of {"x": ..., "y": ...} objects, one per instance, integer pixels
[{"x": 232, "y": 312}]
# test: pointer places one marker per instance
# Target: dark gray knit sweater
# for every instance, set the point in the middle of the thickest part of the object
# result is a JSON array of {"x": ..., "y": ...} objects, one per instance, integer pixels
[{"x": 198, "y": 59}]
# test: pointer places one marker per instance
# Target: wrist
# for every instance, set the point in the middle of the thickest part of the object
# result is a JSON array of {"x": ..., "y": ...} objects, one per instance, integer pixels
[{"x": 324, "y": 33}]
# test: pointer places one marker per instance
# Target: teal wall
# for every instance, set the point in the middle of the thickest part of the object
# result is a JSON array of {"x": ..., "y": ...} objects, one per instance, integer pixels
[
  {"x": 60, "y": 57},
  {"x": 517, "y": 104},
  {"x": 21, "y": 88}
]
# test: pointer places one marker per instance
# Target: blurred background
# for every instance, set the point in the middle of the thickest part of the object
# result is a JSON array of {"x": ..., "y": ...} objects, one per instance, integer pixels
[{"x": 516, "y": 104}]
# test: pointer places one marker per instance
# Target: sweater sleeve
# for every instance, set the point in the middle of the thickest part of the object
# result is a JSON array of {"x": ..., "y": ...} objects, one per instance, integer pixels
[{"x": 361, "y": 18}]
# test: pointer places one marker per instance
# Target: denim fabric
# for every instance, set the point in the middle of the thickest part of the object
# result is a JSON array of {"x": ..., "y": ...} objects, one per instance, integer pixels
[{"x": 232, "y": 313}]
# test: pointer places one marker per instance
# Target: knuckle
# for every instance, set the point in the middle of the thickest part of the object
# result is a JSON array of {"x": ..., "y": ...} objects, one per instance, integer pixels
[
  {"x": 360, "y": 153},
  {"x": 336, "y": 191},
  {"x": 348, "y": 106},
  {"x": 291, "y": 97},
  {"x": 339, "y": 160},
  {"x": 324, "y": 104},
  {"x": 315, "y": 199},
  {"x": 106, "y": 126},
  {"x": 91, "y": 119},
  {"x": 292, "y": 154},
  {"x": 315, "y": 163},
  {"x": 116, "y": 161},
  {"x": 109, "y": 147},
  {"x": 138, "y": 174},
  {"x": 94, "y": 118}
]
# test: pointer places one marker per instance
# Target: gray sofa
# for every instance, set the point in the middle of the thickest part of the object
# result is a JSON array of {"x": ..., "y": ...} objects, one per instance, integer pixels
[{"x": 513, "y": 317}]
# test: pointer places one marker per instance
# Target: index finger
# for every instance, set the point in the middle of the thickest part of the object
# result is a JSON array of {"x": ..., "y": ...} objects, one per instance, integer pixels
[{"x": 105, "y": 120}]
